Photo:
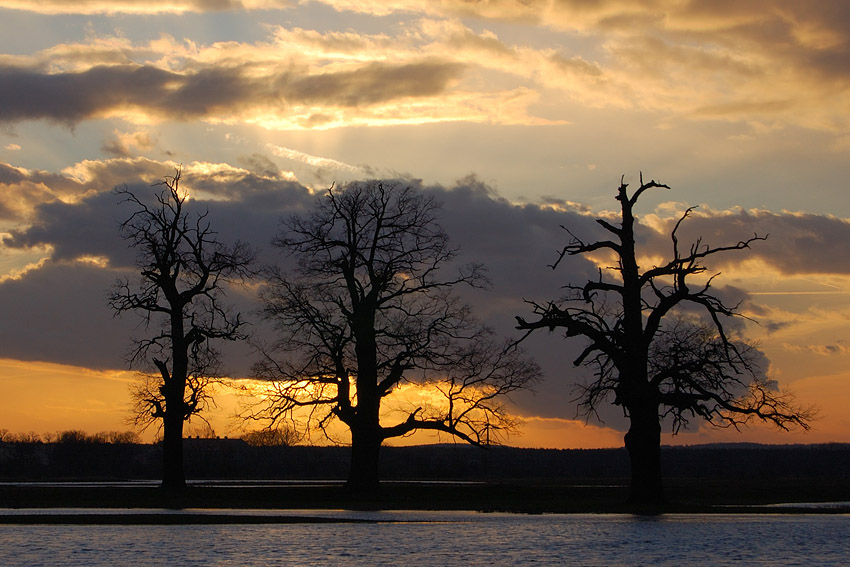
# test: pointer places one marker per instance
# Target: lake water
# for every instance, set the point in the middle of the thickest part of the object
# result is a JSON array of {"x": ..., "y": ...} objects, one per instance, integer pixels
[{"x": 444, "y": 538}]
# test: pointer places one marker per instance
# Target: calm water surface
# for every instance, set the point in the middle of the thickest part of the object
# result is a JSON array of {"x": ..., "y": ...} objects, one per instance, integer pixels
[{"x": 426, "y": 539}]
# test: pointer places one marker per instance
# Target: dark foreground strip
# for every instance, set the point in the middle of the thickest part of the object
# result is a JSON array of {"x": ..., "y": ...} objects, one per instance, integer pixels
[{"x": 169, "y": 519}]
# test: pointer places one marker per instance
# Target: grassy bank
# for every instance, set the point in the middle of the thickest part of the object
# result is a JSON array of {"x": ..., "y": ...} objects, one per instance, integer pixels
[
  {"x": 523, "y": 497},
  {"x": 703, "y": 479}
]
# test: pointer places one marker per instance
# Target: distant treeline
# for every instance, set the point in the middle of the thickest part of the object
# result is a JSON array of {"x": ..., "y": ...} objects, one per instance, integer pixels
[
  {"x": 70, "y": 436},
  {"x": 109, "y": 458},
  {"x": 263, "y": 437}
]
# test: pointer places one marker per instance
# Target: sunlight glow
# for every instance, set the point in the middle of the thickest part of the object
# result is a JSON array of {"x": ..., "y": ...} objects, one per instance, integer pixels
[
  {"x": 99, "y": 261},
  {"x": 19, "y": 264}
]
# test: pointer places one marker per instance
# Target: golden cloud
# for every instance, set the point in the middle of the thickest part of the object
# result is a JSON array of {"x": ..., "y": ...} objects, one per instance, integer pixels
[
  {"x": 762, "y": 63},
  {"x": 756, "y": 60},
  {"x": 141, "y": 6}
]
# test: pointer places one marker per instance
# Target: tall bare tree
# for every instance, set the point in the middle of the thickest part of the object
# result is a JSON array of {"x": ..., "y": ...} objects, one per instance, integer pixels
[
  {"x": 660, "y": 344},
  {"x": 183, "y": 272},
  {"x": 367, "y": 312}
]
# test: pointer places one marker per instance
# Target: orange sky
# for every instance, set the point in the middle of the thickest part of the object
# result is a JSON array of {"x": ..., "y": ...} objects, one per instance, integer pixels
[{"x": 45, "y": 398}]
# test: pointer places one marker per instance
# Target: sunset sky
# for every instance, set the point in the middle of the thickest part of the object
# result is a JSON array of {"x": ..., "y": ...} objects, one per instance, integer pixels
[{"x": 521, "y": 116}]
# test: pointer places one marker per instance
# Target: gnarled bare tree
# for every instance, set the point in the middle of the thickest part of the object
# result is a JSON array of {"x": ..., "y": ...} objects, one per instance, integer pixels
[
  {"x": 183, "y": 272},
  {"x": 367, "y": 312},
  {"x": 660, "y": 345}
]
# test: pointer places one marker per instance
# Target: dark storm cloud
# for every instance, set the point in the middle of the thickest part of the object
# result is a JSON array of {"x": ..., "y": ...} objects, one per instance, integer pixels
[
  {"x": 88, "y": 228},
  {"x": 247, "y": 207},
  {"x": 517, "y": 243},
  {"x": 260, "y": 189},
  {"x": 372, "y": 84},
  {"x": 22, "y": 190},
  {"x": 797, "y": 243},
  {"x": 256, "y": 216},
  {"x": 10, "y": 175},
  {"x": 104, "y": 90},
  {"x": 57, "y": 313},
  {"x": 72, "y": 97}
]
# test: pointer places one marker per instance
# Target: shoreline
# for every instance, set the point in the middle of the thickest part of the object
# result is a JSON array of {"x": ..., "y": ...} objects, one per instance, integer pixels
[
  {"x": 89, "y": 518},
  {"x": 170, "y": 519},
  {"x": 209, "y": 502}
]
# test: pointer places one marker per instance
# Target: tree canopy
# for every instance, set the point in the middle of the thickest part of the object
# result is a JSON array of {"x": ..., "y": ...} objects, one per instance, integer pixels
[
  {"x": 659, "y": 342},
  {"x": 183, "y": 271},
  {"x": 369, "y": 310}
]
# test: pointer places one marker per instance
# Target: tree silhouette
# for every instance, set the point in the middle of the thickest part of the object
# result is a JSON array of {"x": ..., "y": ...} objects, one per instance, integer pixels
[
  {"x": 368, "y": 312},
  {"x": 183, "y": 269},
  {"x": 659, "y": 344}
]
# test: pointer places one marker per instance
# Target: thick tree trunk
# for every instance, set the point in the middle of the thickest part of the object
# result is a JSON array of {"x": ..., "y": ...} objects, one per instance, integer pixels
[
  {"x": 173, "y": 477},
  {"x": 643, "y": 441},
  {"x": 364, "y": 476},
  {"x": 174, "y": 390}
]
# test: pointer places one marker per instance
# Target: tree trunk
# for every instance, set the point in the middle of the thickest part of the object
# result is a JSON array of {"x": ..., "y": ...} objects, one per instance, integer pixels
[
  {"x": 173, "y": 477},
  {"x": 364, "y": 476},
  {"x": 643, "y": 441}
]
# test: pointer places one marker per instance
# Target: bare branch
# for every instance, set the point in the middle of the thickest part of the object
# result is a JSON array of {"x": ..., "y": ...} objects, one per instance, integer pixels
[
  {"x": 183, "y": 269},
  {"x": 371, "y": 309},
  {"x": 659, "y": 344}
]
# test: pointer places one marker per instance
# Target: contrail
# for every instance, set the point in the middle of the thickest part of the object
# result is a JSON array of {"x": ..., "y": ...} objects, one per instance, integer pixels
[{"x": 312, "y": 160}]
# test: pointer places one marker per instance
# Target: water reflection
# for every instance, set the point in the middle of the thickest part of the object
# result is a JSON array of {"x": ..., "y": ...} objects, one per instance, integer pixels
[{"x": 446, "y": 538}]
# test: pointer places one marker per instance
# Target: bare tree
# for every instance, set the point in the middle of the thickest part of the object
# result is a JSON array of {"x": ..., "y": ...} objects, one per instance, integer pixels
[
  {"x": 368, "y": 312},
  {"x": 183, "y": 272},
  {"x": 660, "y": 344}
]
